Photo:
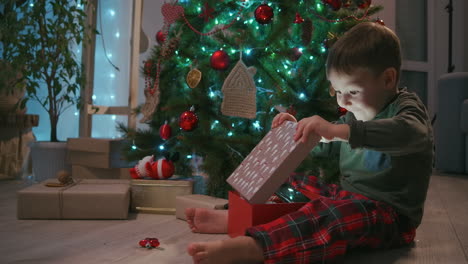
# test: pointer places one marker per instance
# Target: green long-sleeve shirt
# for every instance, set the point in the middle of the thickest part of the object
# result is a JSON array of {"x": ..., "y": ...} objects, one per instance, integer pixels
[{"x": 388, "y": 158}]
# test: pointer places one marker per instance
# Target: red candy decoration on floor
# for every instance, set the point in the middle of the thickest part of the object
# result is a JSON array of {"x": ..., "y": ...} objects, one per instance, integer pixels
[{"x": 149, "y": 242}]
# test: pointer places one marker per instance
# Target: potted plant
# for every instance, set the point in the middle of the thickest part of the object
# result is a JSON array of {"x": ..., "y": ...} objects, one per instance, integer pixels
[
  {"x": 48, "y": 34},
  {"x": 12, "y": 87}
]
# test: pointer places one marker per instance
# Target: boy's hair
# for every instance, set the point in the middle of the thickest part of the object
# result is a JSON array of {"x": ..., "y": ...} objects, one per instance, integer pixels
[{"x": 367, "y": 45}]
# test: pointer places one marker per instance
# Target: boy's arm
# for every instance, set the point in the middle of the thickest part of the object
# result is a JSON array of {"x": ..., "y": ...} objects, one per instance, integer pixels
[{"x": 409, "y": 131}]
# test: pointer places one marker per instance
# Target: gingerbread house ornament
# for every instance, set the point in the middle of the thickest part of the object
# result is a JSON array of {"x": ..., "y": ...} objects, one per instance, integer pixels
[
  {"x": 239, "y": 92},
  {"x": 270, "y": 163}
]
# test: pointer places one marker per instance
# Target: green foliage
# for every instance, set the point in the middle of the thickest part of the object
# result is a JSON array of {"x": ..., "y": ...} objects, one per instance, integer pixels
[
  {"x": 299, "y": 85},
  {"x": 40, "y": 39}
]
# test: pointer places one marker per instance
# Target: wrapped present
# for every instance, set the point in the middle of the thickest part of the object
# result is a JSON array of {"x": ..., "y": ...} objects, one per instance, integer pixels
[
  {"x": 158, "y": 196},
  {"x": 197, "y": 201},
  {"x": 84, "y": 199},
  {"x": 83, "y": 172},
  {"x": 270, "y": 163},
  {"x": 96, "y": 153},
  {"x": 242, "y": 214}
]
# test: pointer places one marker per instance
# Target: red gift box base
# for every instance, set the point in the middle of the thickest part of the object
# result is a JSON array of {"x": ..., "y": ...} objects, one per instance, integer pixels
[{"x": 242, "y": 214}]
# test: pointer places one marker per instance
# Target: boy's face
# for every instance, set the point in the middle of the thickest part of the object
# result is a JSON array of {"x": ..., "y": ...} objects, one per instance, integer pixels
[{"x": 360, "y": 92}]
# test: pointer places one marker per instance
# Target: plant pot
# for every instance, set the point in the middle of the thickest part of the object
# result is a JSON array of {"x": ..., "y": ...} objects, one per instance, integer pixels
[
  {"x": 9, "y": 101},
  {"x": 48, "y": 158}
]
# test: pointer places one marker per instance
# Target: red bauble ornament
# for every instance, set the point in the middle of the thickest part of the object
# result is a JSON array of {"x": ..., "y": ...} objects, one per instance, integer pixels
[
  {"x": 264, "y": 14},
  {"x": 188, "y": 120},
  {"x": 161, "y": 169},
  {"x": 165, "y": 131},
  {"x": 220, "y": 60},
  {"x": 298, "y": 19},
  {"x": 342, "y": 111},
  {"x": 380, "y": 21},
  {"x": 149, "y": 242},
  {"x": 334, "y": 4},
  {"x": 363, "y": 4},
  {"x": 160, "y": 37},
  {"x": 295, "y": 54}
]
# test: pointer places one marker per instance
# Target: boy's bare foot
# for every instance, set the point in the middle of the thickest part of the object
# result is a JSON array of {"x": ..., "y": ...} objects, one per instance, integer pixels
[
  {"x": 208, "y": 221},
  {"x": 240, "y": 249}
]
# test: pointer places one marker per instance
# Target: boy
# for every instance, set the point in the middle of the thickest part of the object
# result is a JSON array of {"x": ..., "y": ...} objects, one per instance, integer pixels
[{"x": 385, "y": 143}]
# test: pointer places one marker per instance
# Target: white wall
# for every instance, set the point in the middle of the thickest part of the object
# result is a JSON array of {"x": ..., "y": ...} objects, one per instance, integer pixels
[
  {"x": 151, "y": 23},
  {"x": 460, "y": 36}
]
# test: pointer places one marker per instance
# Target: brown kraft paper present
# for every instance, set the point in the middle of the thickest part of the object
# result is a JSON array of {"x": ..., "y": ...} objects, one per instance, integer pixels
[
  {"x": 85, "y": 199},
  {"x": 158, "y": 196},
  {"x": 83, "y": 172},
  {"x": 96, "y": 152}
]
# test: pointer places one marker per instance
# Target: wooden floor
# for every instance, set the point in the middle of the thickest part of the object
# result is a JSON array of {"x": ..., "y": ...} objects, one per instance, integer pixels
[{"x": 442, "y": 237}]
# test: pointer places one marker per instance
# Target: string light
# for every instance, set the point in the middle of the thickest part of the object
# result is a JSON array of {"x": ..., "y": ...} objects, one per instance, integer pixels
[
  {"x": 134, "y": 147},
  {"x": 93, "y": 97},
  {"x": 319, "y": 7},
  {"x": 248, "y": 51},
  {"x": 256, "y": 125},
  {"x": 161, "y": 147},
  {"x": 112, "y": 12},
  {"x": 189, "y": 156},
  {"x": 117, "y": 35}
]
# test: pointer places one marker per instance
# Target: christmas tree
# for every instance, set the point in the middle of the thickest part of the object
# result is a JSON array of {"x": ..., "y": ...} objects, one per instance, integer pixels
[{"x": 224, "y": 69}]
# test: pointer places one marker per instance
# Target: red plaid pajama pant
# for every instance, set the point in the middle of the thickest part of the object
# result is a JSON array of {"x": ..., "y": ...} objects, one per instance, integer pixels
[{"x": 332, "y": 222}]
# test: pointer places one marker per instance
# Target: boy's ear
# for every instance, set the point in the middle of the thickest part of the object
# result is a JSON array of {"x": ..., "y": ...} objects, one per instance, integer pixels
[{"x": 390, "y": 77}]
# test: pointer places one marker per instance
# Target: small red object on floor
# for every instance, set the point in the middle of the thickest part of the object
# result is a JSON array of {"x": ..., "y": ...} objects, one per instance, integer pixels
[{"x": 149, "y": 242}]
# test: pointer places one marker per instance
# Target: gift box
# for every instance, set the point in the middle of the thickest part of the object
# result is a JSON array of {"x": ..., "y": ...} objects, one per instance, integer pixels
[
  {"x": 84, "y": 199},
  {"x": 270, "y": 163},
  {"x": 83, "y": 172},
  {"x": 242, "y": 214},
  {"x": 197, "y": 201},
  {"x": 158, "y": 196},
  {"x": 96, "y": 153}
]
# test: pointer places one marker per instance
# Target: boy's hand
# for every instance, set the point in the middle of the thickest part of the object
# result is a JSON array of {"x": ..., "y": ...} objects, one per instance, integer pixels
[
  {"x": 280, "y": 118},
  {"x": 316, "y": 124}
]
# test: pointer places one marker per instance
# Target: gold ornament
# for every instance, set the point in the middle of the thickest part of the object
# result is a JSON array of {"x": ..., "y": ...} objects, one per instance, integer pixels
[{"x": 193, "y": 78}]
